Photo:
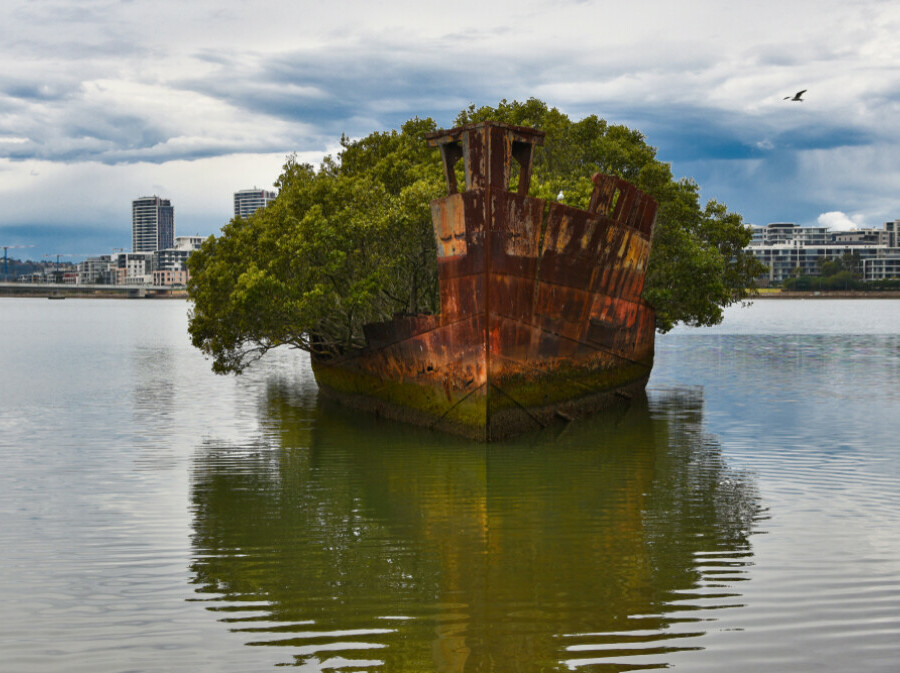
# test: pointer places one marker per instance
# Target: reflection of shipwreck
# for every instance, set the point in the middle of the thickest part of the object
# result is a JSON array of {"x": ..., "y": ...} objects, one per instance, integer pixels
[{"x": 541, "y": 309}]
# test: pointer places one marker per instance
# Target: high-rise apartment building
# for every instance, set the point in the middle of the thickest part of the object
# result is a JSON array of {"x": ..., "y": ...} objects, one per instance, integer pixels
[
  {"x": 152, "y": 224},
  {"x": 248, "y": 201}
]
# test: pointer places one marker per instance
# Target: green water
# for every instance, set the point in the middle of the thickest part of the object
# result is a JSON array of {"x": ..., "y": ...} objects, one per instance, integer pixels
[
  {"x": 155, "y": 517},
  {"x": 435, "y": 554}
]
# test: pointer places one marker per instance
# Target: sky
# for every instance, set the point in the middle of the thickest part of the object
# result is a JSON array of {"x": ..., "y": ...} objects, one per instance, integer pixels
[{"x": 104, "y": 101}]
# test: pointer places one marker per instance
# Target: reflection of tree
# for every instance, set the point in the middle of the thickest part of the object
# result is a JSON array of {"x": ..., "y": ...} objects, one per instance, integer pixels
[{"x": 511, "y": 557}]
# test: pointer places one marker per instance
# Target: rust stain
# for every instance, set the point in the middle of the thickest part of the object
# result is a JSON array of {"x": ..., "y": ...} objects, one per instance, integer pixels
[
  {"x": 449, "y": 226},
  {"x": 530, "y": 322}
]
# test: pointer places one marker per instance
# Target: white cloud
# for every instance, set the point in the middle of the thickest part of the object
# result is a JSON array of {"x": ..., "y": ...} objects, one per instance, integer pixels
[
  {"x": 861, "y": 180},
  {"x": 838, "y": 221},
  {"x": 194, "y": 103},
  {"x": 98, "y": 195}
]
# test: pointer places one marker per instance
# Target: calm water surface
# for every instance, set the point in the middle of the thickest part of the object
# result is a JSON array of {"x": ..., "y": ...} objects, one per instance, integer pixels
[{"x": 155, "y": 517}]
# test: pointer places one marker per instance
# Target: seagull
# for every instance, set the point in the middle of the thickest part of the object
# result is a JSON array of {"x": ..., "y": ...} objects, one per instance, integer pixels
[{"x": 796, "y": 96}]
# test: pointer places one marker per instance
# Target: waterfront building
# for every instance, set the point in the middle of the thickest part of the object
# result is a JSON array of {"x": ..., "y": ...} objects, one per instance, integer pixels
[
  {"x": 94, "y": 269},
  {"x": 788, "y": 233},
  {"x": 893, "y": 229},
  {"x": 171, "y": 259},
  {"x": 170, "y": 265},
  {"x": 152, "y": 224},
  {"x": 248, "y": 201},
  {"x": 879, "y": 237},
  {"x": 882, "y": 267},
  {"x": 170, "y": 277},
  {"x": 116, "y": 276},
  {"x": 188, "y": 242},
  {"x": 133, "y": 268},
  {"x": 788, "y": 250}
]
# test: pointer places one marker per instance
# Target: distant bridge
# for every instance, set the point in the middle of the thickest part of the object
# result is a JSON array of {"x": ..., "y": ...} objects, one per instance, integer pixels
[{"x": 69, "y": 290}]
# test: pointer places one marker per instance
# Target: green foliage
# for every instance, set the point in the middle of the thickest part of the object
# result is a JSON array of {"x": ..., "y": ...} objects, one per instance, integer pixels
[
  {"x": 699, "y": 263},
  {"x": 352, "y": 242},
  {"x": 884, "y": 284},
  {"x": 850, "y": 262},
  {"x": 831, "y": 267},
  {"x": 340, "y": 247},
  {"x": 840, "y": 273},
  {"x": 839, "y": 280}
]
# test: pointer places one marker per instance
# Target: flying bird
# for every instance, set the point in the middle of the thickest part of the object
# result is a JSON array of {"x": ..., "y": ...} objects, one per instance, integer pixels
[{"x": 796, "y": 96}]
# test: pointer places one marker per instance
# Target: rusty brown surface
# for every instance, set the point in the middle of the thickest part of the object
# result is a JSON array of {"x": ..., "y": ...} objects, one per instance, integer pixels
[{"x": 541, "y": 312}]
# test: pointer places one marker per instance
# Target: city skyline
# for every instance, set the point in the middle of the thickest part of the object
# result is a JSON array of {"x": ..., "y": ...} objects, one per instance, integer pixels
[
  {"x": 152, "y": 226},
  {"x": 96, "y": 99},
  {"x": 246, "y": 201}
]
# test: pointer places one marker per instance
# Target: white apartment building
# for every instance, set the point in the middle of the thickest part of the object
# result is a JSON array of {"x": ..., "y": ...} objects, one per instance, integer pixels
[
  {"x": 787, "y": 248},
  {"x": 170, "y": 265},
  {"x": 188, "y": 242},
  {"x": 248, "y": 201},
  {"x": 160, "y": 267},
  {"x": 132, "y": 268},
  {"x": 881, "y": 268},
  {"x": 94, "y": 269}
]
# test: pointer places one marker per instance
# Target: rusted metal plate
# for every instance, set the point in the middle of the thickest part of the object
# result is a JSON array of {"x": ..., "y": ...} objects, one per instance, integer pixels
[
  {"x": 540, "y": 303},
  {"x": 513, "y": 296},
  {"x": 516, "y": 231},
  {"x": 449, "y": 221},
  {"x": 462, "y": 296},
  {"x": 446, "y": 214},
  {"x": 400, "y": 328}
]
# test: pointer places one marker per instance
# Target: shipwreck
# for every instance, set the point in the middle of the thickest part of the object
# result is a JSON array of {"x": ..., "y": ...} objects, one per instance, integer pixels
[{"x": 541, "y": 313}]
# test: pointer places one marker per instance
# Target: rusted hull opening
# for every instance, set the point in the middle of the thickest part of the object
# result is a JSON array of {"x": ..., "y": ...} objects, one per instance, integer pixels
[{"x": 541, "y": 310}]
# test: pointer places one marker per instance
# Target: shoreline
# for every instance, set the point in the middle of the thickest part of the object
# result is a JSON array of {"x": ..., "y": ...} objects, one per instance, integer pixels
[
  {"x": 36, "y": 291},
  {"x": 91, "y": 296},
  {"x": 836, "y": 294},
  {"x": 65, "y": 291},
  {"x": 87, "y": 295}
]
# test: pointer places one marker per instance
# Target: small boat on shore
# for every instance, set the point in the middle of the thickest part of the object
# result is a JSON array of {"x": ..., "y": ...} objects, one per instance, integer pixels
[{"x": 541, "y": 311}]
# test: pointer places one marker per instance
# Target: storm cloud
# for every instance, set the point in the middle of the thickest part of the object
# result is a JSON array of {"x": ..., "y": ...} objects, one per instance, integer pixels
[{"x": 103, "y": 101}]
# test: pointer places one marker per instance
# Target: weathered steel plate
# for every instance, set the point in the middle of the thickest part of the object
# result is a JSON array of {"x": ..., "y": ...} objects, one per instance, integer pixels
[{"x": 541, "y": 314}]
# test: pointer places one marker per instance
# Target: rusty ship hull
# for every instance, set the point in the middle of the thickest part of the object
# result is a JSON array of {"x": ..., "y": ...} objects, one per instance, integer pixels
[{"x": 541, "y": 310}]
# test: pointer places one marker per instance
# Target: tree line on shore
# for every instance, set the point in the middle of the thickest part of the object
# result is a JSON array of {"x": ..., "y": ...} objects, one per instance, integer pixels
[{"x": 835, "y": 275}]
